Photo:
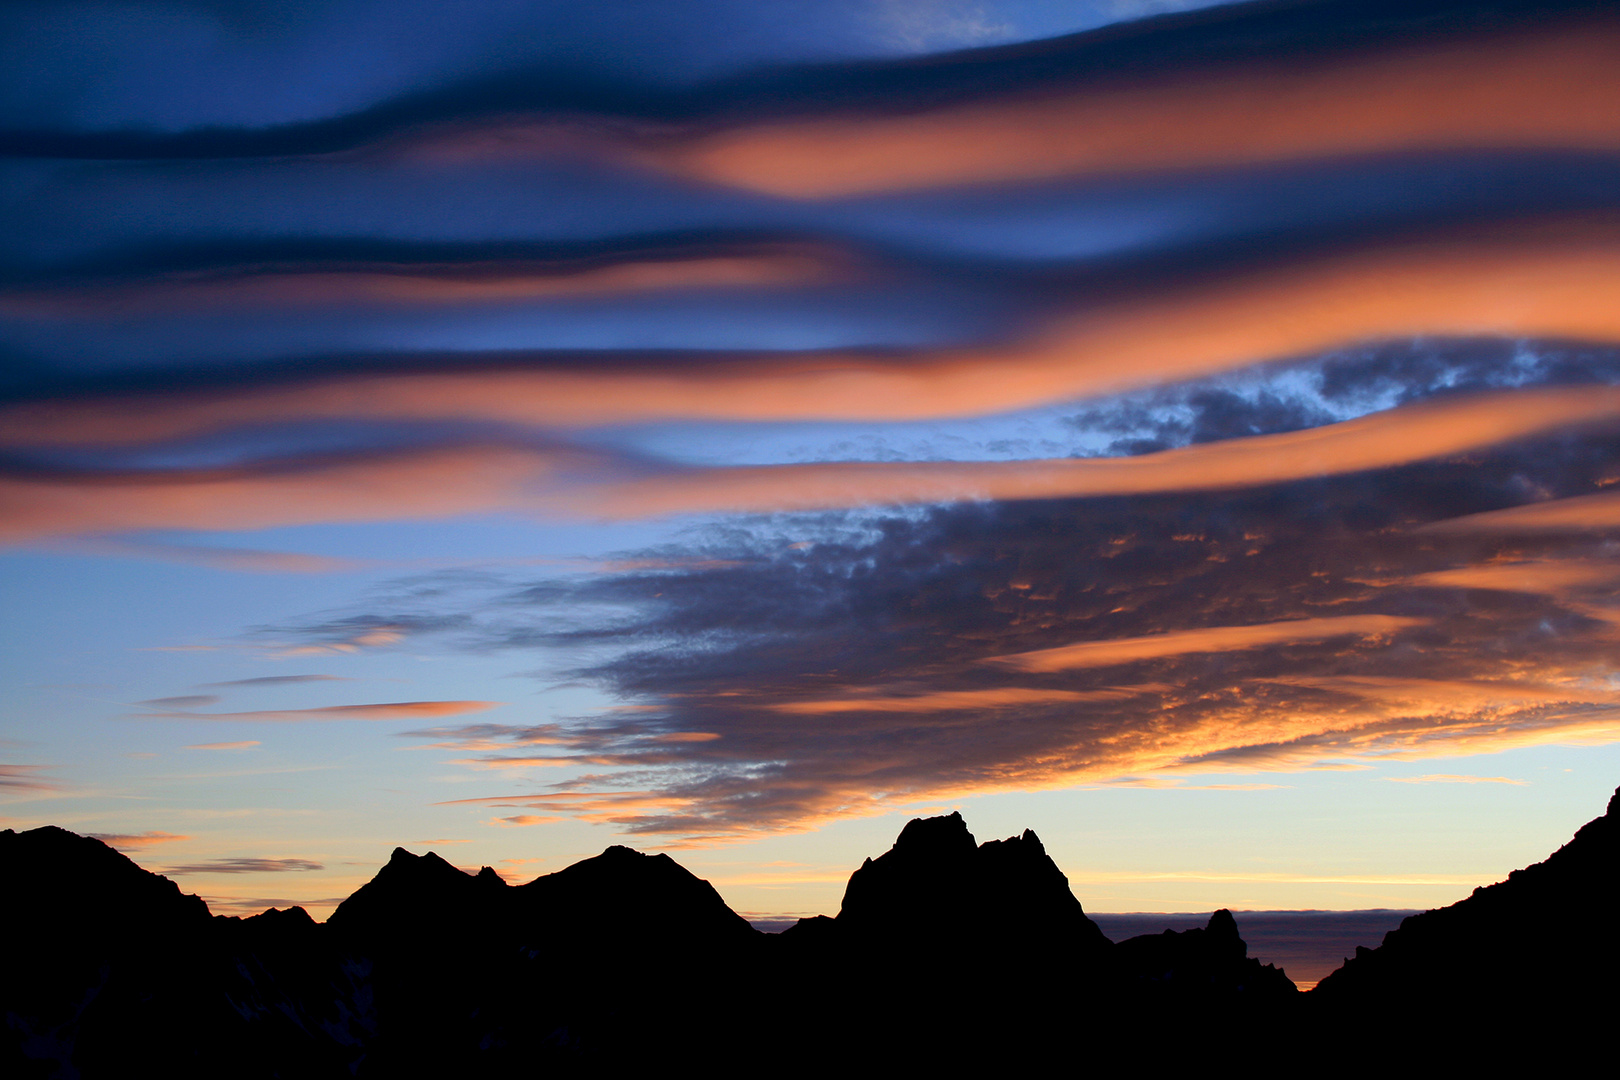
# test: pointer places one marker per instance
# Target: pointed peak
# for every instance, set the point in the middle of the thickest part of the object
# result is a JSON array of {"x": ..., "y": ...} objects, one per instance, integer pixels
[
  {"x": 1614, "y": 804},
  {"x": 1030, "y": 840},
  {"x": 619, "y": 851},
  {"x": 489, "y": 875},
  {"x": 1222, "y": 924},
  {"x": 400, "y": 855}
]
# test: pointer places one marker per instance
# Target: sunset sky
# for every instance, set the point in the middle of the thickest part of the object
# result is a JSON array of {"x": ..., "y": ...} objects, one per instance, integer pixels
[{"x": 734, "y": 428}]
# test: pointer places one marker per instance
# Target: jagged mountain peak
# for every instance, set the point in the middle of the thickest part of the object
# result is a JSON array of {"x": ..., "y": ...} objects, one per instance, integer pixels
[
  {"x": 937, "y": 884},
  {"x": 939, "y": 836}
]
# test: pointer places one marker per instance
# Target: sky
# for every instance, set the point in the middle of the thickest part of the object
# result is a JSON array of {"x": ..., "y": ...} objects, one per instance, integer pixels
[{"x": 508, "y": 429}]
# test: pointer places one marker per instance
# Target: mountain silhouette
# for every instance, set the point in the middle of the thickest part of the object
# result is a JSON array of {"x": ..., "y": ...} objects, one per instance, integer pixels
[
  {"x": 467, "y": 965},
  {"x": 945, "y": 954},
  {"x": 936, "y": 887},
  {"x": 1212, "y": 962}
]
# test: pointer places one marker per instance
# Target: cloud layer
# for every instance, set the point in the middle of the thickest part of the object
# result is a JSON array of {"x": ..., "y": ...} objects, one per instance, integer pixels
[
  {"x": 815, "y": 667},
  {"x": 1235, "y": 390}
]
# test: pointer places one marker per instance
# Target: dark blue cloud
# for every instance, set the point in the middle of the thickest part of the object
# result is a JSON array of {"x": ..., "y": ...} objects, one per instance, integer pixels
[
  {"x": 825, "y": 658},
  {"x": 209, "y": 63}
]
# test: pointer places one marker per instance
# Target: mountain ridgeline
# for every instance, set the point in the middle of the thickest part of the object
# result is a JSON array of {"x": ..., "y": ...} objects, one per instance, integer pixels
[{"x": 946, "y": 953}]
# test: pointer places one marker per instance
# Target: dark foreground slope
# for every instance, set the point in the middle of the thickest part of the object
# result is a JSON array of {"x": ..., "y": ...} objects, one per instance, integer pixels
[
  {"x": 1528, "y": 964},
  {"x": 108, "y": 968}
]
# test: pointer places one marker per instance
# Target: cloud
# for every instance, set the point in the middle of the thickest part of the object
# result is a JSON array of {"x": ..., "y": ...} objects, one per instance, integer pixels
[
  {"x": 395, "y": 710},
  {"x": 869, "y": 699},
  {"x": 243, "y": 744},
  {"x": 188, "y": 701},
  {"x": 353, "y": 633},
  {"x": 1551, "y": 577},
  {"x": 219, "y": 558},
  {"x": 1579, "y": 513},
  {"x": 445, "y": 482},
  {"x": 1550, "y": 282},
  {"x": 136, "y": 841},
  {"x": 413, "y": 287},
  {"x": 25, "y": 778},
  {"x": 278, "y": 680},
  {"x": 1524, "y": 89},
  {"x": 426, "y": 484},
  {"x": 1379, "y": 440},
  {"x": 1087, "y": 654},
  {"x": 1313, "y": 625},
  {"x": 244, "y": 866},
  {"x": 524, "y": 819},
  {"x": 1450, "y": 778},
  {"x": 525, "y": 290}
]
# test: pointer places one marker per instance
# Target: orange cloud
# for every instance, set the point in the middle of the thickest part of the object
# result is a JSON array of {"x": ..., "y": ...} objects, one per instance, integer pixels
[
  {"x": 1601, "y": 511},
  {"x": 1210, "y": 639},
  {"x": 370, "y": 638},
  {"x": 1555, "y": 87},
  {"x": 526, "y": 761},
  {"x": 439, "y": 483},
  {"x": 241, "y": 745},
  {"x": 396, "y": 710},
  {"x": 1549, "y": 577},
  {"x": 871, "y": 700},
  {"x": 1538, "y": 284},
  {"x": 136, "y": 841}
]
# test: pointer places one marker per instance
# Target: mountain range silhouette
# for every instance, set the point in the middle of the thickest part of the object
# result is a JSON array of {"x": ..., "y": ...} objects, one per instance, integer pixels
[{"x": 946, "y": 953}]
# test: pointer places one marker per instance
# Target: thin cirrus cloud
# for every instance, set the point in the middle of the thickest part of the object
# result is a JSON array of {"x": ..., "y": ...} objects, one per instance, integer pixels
[
  {"x": 241, "y": 744},
  {"x": 395, "y": 710},
  {"x": 1208, "y": 639},
  {"x": 245, "y": 866},
  {"x": 875, "y": 699},
  {"x": 15, "y": 778},
  {"x": 246, "y": 560},
  {"x": 276, "y": 680},
  {"x": 137, "y": 841},
  {"x": 1453, "y": 778},
  {"x": 184, "y": 701}
]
